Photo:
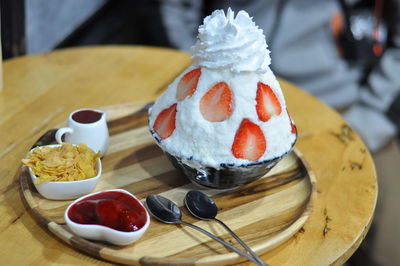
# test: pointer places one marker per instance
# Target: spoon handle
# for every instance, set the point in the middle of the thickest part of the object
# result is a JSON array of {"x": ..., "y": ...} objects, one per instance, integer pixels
[
  {"x": 256, "y": 257},
  {"x": 227, "y": 245}
]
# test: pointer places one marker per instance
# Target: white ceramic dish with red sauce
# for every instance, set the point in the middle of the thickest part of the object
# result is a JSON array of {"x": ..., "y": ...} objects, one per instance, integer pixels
[
  {"x": 64, "y": 190},
  {"x": 102, "y": 232}
]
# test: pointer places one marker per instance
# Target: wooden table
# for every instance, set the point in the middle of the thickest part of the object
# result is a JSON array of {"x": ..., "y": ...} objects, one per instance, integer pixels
[{"x": 41, "y": 90}]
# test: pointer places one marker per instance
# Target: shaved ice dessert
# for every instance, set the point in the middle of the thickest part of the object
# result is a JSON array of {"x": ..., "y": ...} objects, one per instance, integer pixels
[{"x": 224, "y": 121}]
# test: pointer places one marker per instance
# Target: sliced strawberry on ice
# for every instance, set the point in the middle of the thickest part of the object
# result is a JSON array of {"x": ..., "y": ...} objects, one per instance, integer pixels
[
  {"x": 188, "y": 84},
  {"x": 165, "y": 122},
  {"x": 249, "y": 142},
  {"x": 217, "y": 104},
  {"x": 294, "y": 130},
  {"x": 267, "y": 103}
]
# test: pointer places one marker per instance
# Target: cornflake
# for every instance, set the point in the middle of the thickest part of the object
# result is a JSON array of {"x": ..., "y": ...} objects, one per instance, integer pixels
[{"x": 62, "y": 163}]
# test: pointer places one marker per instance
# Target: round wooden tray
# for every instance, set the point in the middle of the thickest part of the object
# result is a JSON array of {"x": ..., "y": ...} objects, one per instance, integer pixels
[{"x": 264, "y": 213}]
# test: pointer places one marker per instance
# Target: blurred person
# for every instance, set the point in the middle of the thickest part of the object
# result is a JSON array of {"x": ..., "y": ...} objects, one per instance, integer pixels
[{"x": 346, "y": 53}]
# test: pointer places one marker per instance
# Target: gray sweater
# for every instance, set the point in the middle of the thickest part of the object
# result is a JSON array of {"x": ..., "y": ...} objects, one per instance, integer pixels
[{"x": 303, "y": 51}]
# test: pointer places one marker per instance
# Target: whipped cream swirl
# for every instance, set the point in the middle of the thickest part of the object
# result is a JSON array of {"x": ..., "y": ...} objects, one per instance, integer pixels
[{"x": 231, "y": 42}]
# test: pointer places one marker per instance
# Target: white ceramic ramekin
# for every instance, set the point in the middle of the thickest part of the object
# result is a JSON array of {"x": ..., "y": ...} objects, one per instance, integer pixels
[
  {"x": 64, "y": 190},
  {"x": 103, "y": 233}
]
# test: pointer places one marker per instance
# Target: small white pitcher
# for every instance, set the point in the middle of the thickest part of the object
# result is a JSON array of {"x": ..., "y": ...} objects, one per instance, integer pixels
[{"x": 88, "y": 126}]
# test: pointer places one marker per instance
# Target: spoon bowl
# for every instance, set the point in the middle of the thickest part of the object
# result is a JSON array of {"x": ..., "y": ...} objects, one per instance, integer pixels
[
  {"x": 200, "y": 205},
  {"x": 163, "y": 209}
]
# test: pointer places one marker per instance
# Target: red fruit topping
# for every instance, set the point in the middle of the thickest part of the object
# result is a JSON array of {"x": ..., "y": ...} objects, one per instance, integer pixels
[
  {"x": 165, "y": 122},
  {"x": 217, "y": 104},
  {"x": 85, "y": 212},
  {"x": 188, "y": 84},
  {"x": 113, "y": 209},
  {"x": 267, "y": 103},
  {"x": 129, "y": 221},
  {"x": 294, "y": 130},
  {"x": 108, "y": 212},
  {"x": 293, "y": 127},
  {"x": 249, "y": 142}
]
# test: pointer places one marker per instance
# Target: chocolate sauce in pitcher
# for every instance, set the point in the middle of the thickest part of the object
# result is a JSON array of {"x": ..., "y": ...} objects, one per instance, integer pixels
[{"x": 86, "y": 116}]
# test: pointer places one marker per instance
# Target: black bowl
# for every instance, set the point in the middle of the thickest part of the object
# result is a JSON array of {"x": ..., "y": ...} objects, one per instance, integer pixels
[{"x": 227, "y": 176}]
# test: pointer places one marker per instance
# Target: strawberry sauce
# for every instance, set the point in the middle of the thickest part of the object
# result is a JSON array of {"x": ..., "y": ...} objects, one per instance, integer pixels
[{"x": 113, "y": 209}]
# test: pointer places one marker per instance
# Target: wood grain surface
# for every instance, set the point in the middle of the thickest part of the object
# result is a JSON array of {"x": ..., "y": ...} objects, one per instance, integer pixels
[
  {"x": 264, "y": 213},
  {"x": 40, "y": 91}
]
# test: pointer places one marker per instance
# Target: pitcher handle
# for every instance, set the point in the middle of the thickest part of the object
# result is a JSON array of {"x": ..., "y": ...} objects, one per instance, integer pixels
[{"x": 61, "y": 132}]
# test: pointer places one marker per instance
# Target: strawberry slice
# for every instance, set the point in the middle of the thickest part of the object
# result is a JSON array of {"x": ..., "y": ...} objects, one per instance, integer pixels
[
  {"x": 108, "y": 212},
  {"x": 188, "y": 84},
  {"x": 294, "y": 130},
  {"x": 165, "y": 122},
  {"x": 267, "y": 103},
  {"x": 130, "y": 221},
  {"x": 249, "y": 142},
  {"x": 84, "y": 212},
  {"x": 216, "y": 105}
]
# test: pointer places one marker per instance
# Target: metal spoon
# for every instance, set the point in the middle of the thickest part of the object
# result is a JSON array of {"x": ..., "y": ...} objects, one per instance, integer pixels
[
  {"x": 203, "y": 207},
  {"x": 168, "y": 212}
]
